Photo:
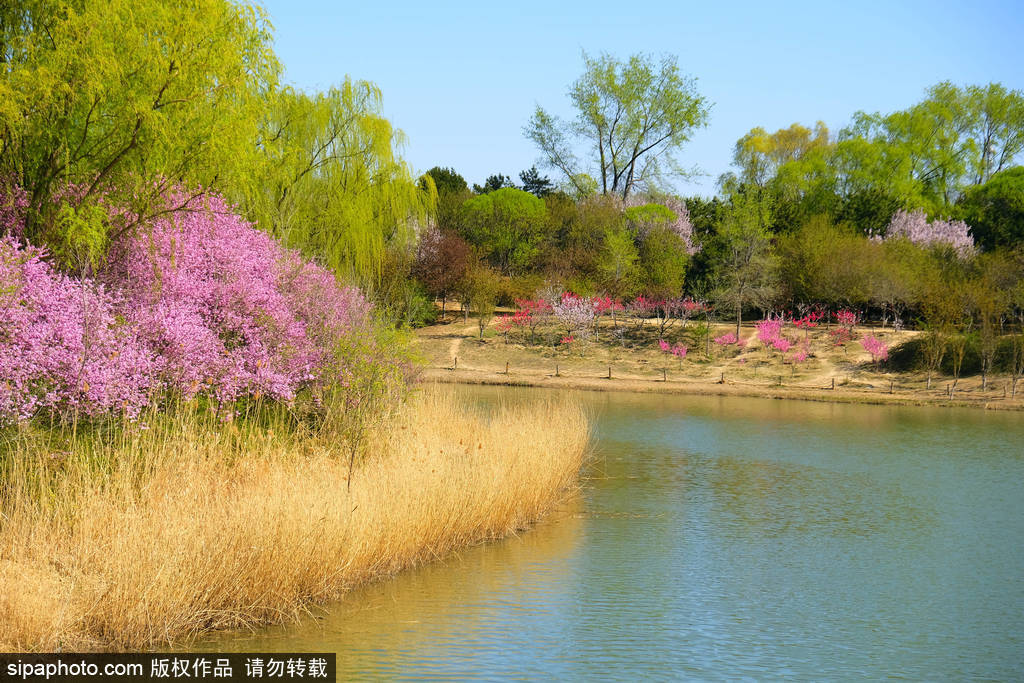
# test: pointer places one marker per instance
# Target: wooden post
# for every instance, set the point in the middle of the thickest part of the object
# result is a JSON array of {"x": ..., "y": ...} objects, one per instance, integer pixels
[
  {"x": 609, "y": 372},
  {"x": 721, "y": 379},
  {"x": 556, "y": 370},
  {"x": 833, "y": 384},
  {"x": 780, "y": 380},
  {"x": 664, "y": 376},
  {"x": 506, "y": 367},
  {"x": 456, "y": 363},
  {"x": 891, "y": 382}
]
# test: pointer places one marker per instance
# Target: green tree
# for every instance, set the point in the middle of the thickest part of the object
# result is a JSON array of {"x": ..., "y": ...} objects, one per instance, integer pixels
[
  {"x": 535, "y": 183},
  {"x": 446, "y": 181},
  {"x": 663, "y": 260},
  {"x": 995, "y": 210},
  {"x": 480, "y": 290},
  {"x": 507, "y": 226},
  {"x": 746, "y": 269},
  {"x": 452, "y": 192},
  {"x": 617, "y": 263},
  {"x": 124, "y": 99},
  {"x": 635, "y": 115},
  {"x": 494, "y": 182},
  {"x": 330, "y": 181}
]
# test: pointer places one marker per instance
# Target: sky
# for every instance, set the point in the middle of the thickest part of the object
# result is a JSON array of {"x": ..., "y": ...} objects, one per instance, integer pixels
[{"x": 462, "y": 79}]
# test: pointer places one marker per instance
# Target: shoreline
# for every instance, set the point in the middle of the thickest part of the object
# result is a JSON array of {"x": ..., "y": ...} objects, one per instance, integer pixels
[
  {"x": 443, "y": 375},
  {"x": 87, "y": 570}
]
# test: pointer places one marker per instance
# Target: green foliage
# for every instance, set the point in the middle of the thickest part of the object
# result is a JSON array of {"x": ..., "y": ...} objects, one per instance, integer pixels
[
  {"x": 826, "y": 263},
  {"x": 330, "y": 181},
  {"x": 507, "y": 226},
  {"x": 125, "y": 99},
  {"x": 663, "y": 261},
  {"x": 649, "y": 216},
  {"x": 635, "y": 115},
  {"x": 618, "y": 263},
  {"x": 995, "y": 210},
  {"x": 746, "y": 269},
  {"x": 446, "y": 181},
  {"x": 481, "y": 287},
  {"x": 494, "y": 182},
  {"x": 535, "y": 184}
]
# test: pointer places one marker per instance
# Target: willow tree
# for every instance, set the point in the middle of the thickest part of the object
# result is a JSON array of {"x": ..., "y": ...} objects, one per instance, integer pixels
[
  {"x": 330, "y": 181},
  {"x": 633, "y": 117},
  {"x": 122, "y": 100}
]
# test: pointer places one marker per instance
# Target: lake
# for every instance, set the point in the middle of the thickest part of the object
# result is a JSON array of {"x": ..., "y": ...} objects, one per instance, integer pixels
[{"x": 722, "y": 537}]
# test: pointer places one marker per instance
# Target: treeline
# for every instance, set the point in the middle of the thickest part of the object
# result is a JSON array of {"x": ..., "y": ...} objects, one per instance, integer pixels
[{"x": 914, "y": 218}]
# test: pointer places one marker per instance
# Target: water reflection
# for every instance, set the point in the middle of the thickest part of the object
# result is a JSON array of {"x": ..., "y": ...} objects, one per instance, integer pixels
[{"x": 724, "y": 537}]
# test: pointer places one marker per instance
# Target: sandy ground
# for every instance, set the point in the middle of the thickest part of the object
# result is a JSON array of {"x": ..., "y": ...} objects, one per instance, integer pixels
[{"x": 453, "y": 353}]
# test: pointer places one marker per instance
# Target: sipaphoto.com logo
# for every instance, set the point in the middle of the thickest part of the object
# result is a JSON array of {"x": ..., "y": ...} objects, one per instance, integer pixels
[{"x": 152, "y": 666}]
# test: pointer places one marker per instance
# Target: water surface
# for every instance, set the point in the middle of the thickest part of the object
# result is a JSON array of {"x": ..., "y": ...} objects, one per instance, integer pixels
[{"x": 722, "y": 537}]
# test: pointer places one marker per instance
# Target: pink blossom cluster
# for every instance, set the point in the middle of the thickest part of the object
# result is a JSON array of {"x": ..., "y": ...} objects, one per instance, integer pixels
[
  {"x": 196, "y": 301},
  {"x": 681, "y": 226},
  {"x": 228, "y": 310},
  {"x": 878, "y": 349},
  {"x": 62, "y": 345},
  {"x": 808, "y": 320},
  {"x": 13, "y": 206},
  {"x": 678, "y": 350},
  {"x": 847, "y": 321},
  {"x": 769, "y": 332},
  {"x": 801, "y": 352},
  {"x": 575, "y": 313},
  {"x": 606, "y": 304},
  {"x": 727, "y": 339},
  {"x": 532, "y": 307},
  {"x": 914, "y": 226}
]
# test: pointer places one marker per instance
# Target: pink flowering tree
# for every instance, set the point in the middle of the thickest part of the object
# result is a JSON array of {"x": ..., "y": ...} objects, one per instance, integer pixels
[
  {"x": 915, "y": 227},
  {"x": 195, "y": 302},
  {"x": 878, "y": 349},
  {"x": 678, "y": 350},
  {"x": 641, "y": 309},
  {"x": 534, "y": 313},
  {"x": 575, "y": 314},
  {"x": 63, "y": 346},
  {"x": 847, "y": 320}
]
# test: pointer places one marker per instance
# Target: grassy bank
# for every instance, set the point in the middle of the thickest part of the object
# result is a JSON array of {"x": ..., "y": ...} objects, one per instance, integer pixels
[
  {"x": 142, "y": 537},
  {"x": 455, "y": 354}
]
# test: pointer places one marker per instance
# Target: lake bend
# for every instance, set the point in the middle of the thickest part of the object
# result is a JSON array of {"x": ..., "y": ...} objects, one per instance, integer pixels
[{"x": 722, "y": 537}]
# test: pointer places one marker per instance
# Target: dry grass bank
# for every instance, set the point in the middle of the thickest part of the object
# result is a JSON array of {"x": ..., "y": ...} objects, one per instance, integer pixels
[
  {"x": 833, "y": 373},
  {"x": 150, "y": 537}
]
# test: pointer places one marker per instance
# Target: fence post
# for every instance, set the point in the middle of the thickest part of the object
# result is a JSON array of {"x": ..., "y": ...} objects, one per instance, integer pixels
[
  {"x": 664, "y": 377},
  {"x": 609, "y": 372},
  {"x": 833, "y": 384},
  {"x": 556, "y": 370},
  {"x": 780, "y": 380},
  {"x": 891, "y": 382},
  {"x": 506, "y": 367},
  {"x": 721, "y": 379},
  {"x": 456, "y": 363}
]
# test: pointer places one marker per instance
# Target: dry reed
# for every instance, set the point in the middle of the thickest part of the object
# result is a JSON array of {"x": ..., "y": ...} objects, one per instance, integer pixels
[{"x": 153, "y": 536}]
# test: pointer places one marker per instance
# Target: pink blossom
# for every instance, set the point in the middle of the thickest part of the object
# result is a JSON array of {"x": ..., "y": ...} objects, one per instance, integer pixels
[
  {"x": 878, "y": 349},
  {"x": 726, "y": 339},
  {"x": 914, "y": 226}
]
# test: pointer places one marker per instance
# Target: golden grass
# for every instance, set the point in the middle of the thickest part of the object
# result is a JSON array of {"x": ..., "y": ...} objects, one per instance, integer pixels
[{"x": 155, "y": 536}]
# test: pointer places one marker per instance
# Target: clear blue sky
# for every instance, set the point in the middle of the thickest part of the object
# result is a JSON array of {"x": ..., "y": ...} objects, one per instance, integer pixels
[{"x": 462, "y": 79}]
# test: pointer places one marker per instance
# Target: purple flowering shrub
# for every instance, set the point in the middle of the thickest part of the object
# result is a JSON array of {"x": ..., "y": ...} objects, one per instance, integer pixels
[
  {"x": 62, "y": 344},
  {"x": 197, "y": 301}
]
